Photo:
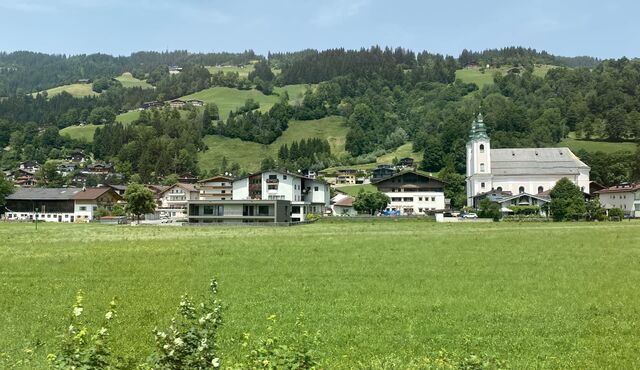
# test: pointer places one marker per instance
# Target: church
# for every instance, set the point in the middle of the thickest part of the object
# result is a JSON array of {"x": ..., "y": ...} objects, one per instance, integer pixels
[{"x": 519, "y": 176}]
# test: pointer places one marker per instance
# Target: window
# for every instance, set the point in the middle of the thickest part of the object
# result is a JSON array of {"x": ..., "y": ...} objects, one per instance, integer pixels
[
  {"x": 481, "y": 148},
  {"x": 396, "y": 199},
  {"x": 499, "y": 188},
  {"x": 420, "y": 200},
  {"x": 521, "y": 190},
  {"x": 482, "y": 185},
  {"x": 263, "y": 210},
  {"x": 540, "y": 189},
  {"x": 95, "y": 208},
  {"x": 83, "y": 208},
  {"x": 295, "y": 209},
  {"x": 272, "y": 187},
  {"x": 481, "y": 167},
  {"x": 315, "y": 188},
  {"x": 273, "y": 177},
  {"x": 223, "y": 191},
  {"x": 284, "y": 177},
  {"x": 433, "y": 199},
  {"x": 407, "y": 199}
]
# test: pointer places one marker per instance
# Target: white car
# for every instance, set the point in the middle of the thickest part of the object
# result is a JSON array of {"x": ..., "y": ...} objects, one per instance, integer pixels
[{"x": 469, "y": 215}]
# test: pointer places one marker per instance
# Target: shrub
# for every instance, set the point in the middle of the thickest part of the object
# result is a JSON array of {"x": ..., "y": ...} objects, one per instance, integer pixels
[{"x": 616, "y": 214}]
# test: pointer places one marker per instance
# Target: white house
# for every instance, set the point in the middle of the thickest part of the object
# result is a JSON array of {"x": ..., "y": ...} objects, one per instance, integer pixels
[
  {"x": 59, "y": 204},
  {"x": 412, "y": 193},
  {"x": 624, "y": 196},
  {"x": 216, "y": 188},
  {"x": 342, "y": 205},
  {"x": 173, "y": 200},
  {"x": 307, "y": 195},
  {"x": 518, "y": 170}
]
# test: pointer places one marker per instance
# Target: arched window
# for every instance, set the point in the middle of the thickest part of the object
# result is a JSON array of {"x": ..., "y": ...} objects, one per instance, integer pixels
[
  {"x": 481, "y": 167},
  {"x": 540, "y": 189},
  {"x": 482, "y": 185},
  {"x": 521, "y": 190},
  {"x": 499, "y": 188},
  {"x": 481, "y": 148}
]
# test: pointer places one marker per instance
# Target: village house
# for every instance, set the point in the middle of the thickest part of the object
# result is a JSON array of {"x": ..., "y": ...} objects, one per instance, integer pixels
[
  {"x": 24, "y": 178},
  {"x": 267, "y": 196},
  {"x": 195, "y": 103},
  {"x": 59, "y": 204},
  {"x": 412, "y": 193},
  {"x": 173, "y": 200},
  {"x": 77, "y": 157},
  {"x": 98, "y": 169},
  {"x": 66, "y": 169},
  {"x": 215, "y": 188},
  {"x": 508, "y": 200},
  {"x": 151, "y": 104},
  {"x": 31, "y": 166},
  {"x": 177, "y": 103},
  {"x": 624, "y": 196},
  {"x": 174, "y": 70},
  {"x": 346, "y": 178},
  {"x": 382, "y": 171},
  {"x": 519, "y": 170},
  {"x": 342, "y": 205},
  {"x": 406, "y": 162},
  {"x": 187, "y": 178}
]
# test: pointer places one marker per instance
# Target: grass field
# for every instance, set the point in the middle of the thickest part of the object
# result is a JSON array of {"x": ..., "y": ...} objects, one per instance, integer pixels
[
  {"x": 355, "y": 189},
  {"x": 76, "y": 90},
  {"x": 80, "y": 132},
  {"x": 243, "y": 72},
  {"x": 403, "y": 151},
  {"x": 127, "y": 80},
  {"x": 474, "y": 75},
  {"x": 545, "y": 296},
  {"x": 249, "y": 154},
  {"x": 597, "y": 146}
]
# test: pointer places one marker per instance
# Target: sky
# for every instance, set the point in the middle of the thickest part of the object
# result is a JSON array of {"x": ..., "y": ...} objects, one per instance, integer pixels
[{"x": 604, "y": 29}]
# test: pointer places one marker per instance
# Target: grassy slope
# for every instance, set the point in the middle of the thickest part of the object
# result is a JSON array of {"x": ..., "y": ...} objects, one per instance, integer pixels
[
  {"x": 243, "y": 72},
  {"x": 355, "y": 189},
  {"x": 402, "y": 151},
  {"x": 80, "y": 132},
  {"x": 250, "y": 154},
  {"x": 597, "y": 146},
  {"x": 76, "y": 90},
  {"x": 541, "y": 296},
  {"x": 473, "y": 75},
  {"x": 127, "y": 80}
]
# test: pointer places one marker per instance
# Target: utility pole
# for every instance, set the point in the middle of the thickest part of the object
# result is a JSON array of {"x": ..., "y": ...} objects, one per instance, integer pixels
[{"x": 37, "y": 219}]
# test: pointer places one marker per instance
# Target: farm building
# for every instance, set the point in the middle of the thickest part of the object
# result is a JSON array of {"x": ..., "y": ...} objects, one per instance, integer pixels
[
  {"x": 519, "y": 170},
  {"x": 59, "y": 204},
  {"x": 412, "y": 193}
]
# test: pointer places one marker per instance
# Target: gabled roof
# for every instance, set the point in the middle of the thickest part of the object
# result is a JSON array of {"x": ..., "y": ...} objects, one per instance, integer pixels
[
  {"x": 622, "y": 188},
  {"x": 404, "y": 172},
  {"x": 94, "y": 193},
  {"x": 185, "y": 186},
  {"x": 214, "y": 178},
  {"x": 525, "y": 161},
  {"x": 59, "y": 193},
  {"x": 282, "y": 172},
  {"x": 345, "y": 201}
]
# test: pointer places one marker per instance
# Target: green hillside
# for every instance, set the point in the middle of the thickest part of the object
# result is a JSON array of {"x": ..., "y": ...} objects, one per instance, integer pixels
[
  {"x": 76, "y": 90},
  {"x": 127, "y": 80},
  {"x": 242, "y": 71},
  {"x": 476, "y": 76},
  {"x": 80, "y": 132},
  {"x": 597, "y": 146},
  {"x": 249, "y": 154},
  {"x": 228, "y": 99},
  {"x": 402, "y": 151}
]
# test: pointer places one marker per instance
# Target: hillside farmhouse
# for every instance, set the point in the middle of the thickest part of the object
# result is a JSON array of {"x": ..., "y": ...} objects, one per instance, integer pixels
[
  {"x": 59, "y": 204},
  {"x": 529, "y": 171},
  {"x": 624, "y": 196}
]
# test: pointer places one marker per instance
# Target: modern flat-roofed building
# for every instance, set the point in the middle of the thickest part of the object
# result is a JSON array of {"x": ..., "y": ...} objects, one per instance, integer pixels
[{"x": 239, "y": 211}]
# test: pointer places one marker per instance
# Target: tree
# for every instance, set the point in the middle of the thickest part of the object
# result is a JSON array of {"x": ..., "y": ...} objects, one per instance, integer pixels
[
  {"x": 489, "y": 209},
  {"x": 567, "y": 201},
  {"x": 433, "y": 157},
  {"x": 635, "y": 169},
  {"x": 140, "y": 200},
  {"x": 267, "y": 164},
  {"x": 48, "y": 176},
  {"x": 171, "y": 180},
  {"x": 6, "y": 188},
  {"x": 370, "y": 202},
  {"x": 595, "y": 211}
]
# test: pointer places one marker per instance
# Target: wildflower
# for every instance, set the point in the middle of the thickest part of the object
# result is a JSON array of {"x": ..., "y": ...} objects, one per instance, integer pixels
[
  {"x": 77, "y": 311},
  {"x": 215, "y": 362},
  {"x": 265, "y": 362},
  {"x": 178, "y": 342},
  {"x": 272, "y": 318},
  {"x": 108, "y": 315},
  {"x": 103, "y": 331}
]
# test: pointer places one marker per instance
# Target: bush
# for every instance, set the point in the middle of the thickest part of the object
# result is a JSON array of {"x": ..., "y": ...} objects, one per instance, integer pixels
[{"x": 616, "y": 214}]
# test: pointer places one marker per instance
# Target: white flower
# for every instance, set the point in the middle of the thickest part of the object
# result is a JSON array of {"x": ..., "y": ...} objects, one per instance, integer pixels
[
  {"x": 103, "y": 331},
  {"x": 77, "y": 311},
  {"x": 108, "y": 315},
  {"x": 178, "y": 342},
  {"x": 215, "y": 362},
  {"x": 166, "y": 346}
]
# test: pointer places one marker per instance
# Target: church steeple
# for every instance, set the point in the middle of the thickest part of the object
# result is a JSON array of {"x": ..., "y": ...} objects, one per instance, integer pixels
[{"x": 478, "y": 129}]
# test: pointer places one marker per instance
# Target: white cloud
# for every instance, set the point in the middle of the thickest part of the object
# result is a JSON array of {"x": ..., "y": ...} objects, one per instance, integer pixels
[{"x": 337, "y": 11}]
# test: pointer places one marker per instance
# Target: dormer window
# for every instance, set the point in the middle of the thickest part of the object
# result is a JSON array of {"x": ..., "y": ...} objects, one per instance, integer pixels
[{"x": 481, "y": 148}]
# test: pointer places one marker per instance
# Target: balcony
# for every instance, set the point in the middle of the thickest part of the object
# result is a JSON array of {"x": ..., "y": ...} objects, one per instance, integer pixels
[{"x": 272, "y": 181}]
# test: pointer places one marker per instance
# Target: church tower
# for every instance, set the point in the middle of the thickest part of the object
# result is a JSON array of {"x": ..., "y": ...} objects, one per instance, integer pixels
[{"x": 478, "y": 160}]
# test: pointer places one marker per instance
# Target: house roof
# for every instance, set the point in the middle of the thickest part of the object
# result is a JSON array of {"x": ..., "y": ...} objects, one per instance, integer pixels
[
  {"x": 346, "y": 201},
  {"x": 185, "y": 186},
  {"x": 525, "y": 161},
  {"x": 282, "y": 173},
  {"x": 58, "y": 193},
  {"x": 416, "y": 172},
  {"x": 214, "y": 178},
  {"x": 622, "y": 188}
]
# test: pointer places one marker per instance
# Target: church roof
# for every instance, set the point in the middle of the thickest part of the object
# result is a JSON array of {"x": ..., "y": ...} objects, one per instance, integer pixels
[{"x": 539, "y": 161}]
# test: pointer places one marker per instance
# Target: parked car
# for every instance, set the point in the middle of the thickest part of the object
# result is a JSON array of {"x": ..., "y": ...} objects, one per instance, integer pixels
[{"x": 469, "y": 215}]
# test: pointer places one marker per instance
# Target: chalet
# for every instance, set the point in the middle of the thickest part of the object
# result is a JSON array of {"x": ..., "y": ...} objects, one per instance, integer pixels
[
  {"x": 187, "y": 178},
  {"x": 119, "y": 189},
  {"x": 174, "y": 70},
  {"x": 406, "y": 162},
  {"x": 412, "y": 193},
  {"x": 24, "y": 178},
  {"x": 151, "y": 104},
  {"x": 66, "y": 168},
  {"x": 31, "y": 166},
  {"x": 173, "y": 201},
  {"x": 382, "y": 171},
  {"x": 98, "y": 169},
  {"x": 507, "y": 200},
  {"x": 59, "y": 204},
  {"x": 346, "y": 178},
  {"x": 195, "y": 103},
  {"x": 267, "y": 196},
  {"x": 625, "y": 196},
  {"x": 177, "y": 103},
  {"x": 77, "y": 157},
  {"x": 216, "y": 188}
]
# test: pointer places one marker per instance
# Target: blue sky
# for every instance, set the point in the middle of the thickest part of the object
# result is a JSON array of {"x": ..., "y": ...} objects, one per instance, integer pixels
[{"x": 605, "y": 29}]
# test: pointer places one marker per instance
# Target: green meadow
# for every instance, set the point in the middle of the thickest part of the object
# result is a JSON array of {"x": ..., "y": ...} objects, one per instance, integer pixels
[
  {"x": 382, "y": 293},
  {"x": 476, "y": 76},
  {"x": 249, "y": 154},
  {"x": 597, "y": 146},
  {"x": 127, "y": 80},
  {"x": 76, "y": 90}
]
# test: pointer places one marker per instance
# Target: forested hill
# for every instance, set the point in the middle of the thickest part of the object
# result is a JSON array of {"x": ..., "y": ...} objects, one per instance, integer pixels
[{"x": 387, "y": 99}]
